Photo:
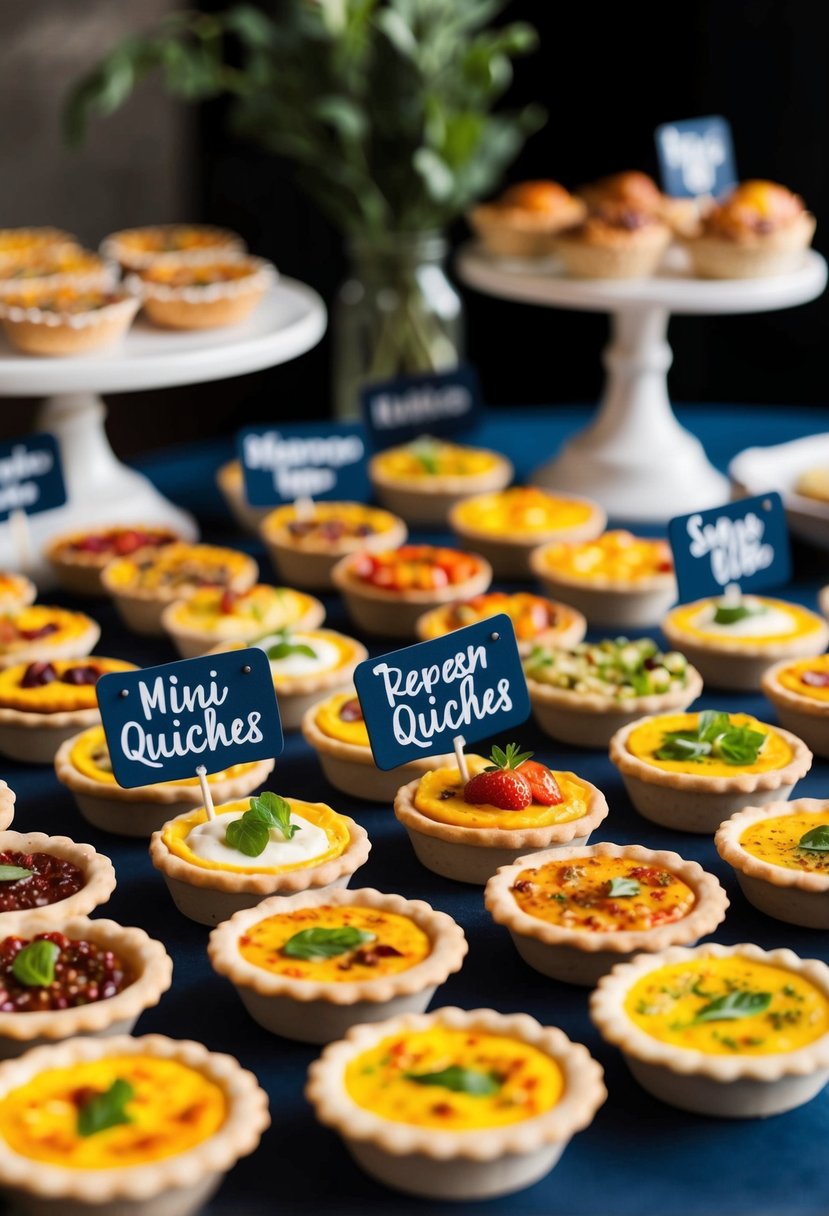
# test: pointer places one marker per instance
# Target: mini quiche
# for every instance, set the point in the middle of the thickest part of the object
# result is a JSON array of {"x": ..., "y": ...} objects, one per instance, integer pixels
[
  {"x": 122, "y": 1125},
  {"x": 507, "y": 525},
  {"x": 42, "y": 704},
  {"x": 231, "y": 483},
  {"x": 537, "y": 621},
  {"x": 336, "y": 730},
  {"x": 734, "y": 639},
  {"x": 305, "y": 543},
  {"x": 7, "y": 801},
  {"x": 573, "y": 913},
  {"x": 780, "y": 853},
  {"x": 306, "y": 664},
  {"x": 68, "y": 321},
  {"x": 759, "y": 229},
  {"x": 510, "y": 805},
  {"x": 615, "y": 241},
  {"x": 386, "y": 592},
  {"x": 138, "y": 248},
  {"x": 691, "y": 771},
  {"x": 54, "y": 269},
  {"x": 184, "y": 293},
  {"x": 41, "y": 631},
  {"x": 731, "y": 1031},
  {"x": 253, "y": 848},
  {"x": 585, "y": 694},
  {"x": 16, "y": 591},
  {"x": 210, "y": 616},
  {"x": 456, "y": 1104},
  {"x": 78, "y": 558},
  {"x": 616, "y": 580},
  {"x": 83, "y": 766},
  {"x": 799, "y": 691},
  {"x": 89, "y": 977},
  {"x": 310, "y": 966},
  {"x": 143, "y": 585},
  {"x": 51, "y": 875},
  {"x": 21, "y": 245},
  {"x": 523, "y": 221},
  {"x": 422, "y": 480}
]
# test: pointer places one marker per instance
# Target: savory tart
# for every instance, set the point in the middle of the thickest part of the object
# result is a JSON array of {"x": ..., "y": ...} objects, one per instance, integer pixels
[
  {"x": 115, "y": 1125},
  {"x": 231, "y": 482},
  {"x": 16, "y": 591},
  {"x": 54, "y": 269},
  {"x": 733, "y": 639},
  {"x": 731, "y": 1031},
  {"x": 78, "y": 558},
  {"x": 21, "y": 245},
  {"x": 137, "y": 248},
  {"x": 537, "y": 621},
  {"x": 638, "y": 192},
  {"x": 306, "y": 543},
  {"x": 799, "y": 691},
  {"x": 210, "y": 616},
  {"x": 312, "y": 965},
  {"x": 42, "y": 704},
  {"x": 386, "y": 592},
  {"x": 422, "y": 480},
  {"x": 617, "y": 580},
  {"x": 456, "y": 1104},
  {"x": 522, "y": 221},
  {"x": 691, "y": 771},
  {"x": 183, "y": 293},
  {"x": 66, "y": 321},
  {"x": 52, "y": 875},
  {"x": 253, "y": 848},
  {"x": 507, "y": 525},
  {"x": 584, "y": 694},
  {"x": 143, "y": 586},
  {"x": 759, "y": 229},
  {"x": 573, "y": 913},
  {"x": 615, "y": 241},
  {"x": 83, "y": 766},
  {"x": 336, "y": 730},
  {"x": 306, "y": 664},
  {"x": 780, "y": 853},
  {"x": 89, "y": 977},
  {"x": 7, "y": 801},
  {"x": 41, "y": 631},
  {"x": 510, "y": 805}
]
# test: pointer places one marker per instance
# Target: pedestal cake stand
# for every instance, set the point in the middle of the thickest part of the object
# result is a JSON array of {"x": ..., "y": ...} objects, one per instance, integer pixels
[
  {"x": 635, "y": 458},
  {"x": 289, "y": 321}
]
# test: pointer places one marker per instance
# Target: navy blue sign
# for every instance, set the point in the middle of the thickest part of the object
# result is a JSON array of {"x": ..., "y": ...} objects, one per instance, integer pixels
[
  {"x": 161, "y": 723},
  {"x": 31, "y": 476},
  {"x": 441, "y": 403},
  {"x": 311, "y": 460},
  {"x": 744, "y": 542},
  {"x": 696, "y": 156},
  {"x": 416, "y": 701}
]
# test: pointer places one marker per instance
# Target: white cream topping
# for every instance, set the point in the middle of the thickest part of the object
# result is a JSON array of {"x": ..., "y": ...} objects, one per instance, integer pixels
[
  {"x": 326, "y": 655},
  {"x": 773, "y": 622},
  {"x": 207, "y": 840}
]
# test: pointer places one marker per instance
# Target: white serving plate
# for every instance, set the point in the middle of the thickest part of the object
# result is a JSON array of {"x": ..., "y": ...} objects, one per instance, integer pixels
[{"x": 757, "y": 470}]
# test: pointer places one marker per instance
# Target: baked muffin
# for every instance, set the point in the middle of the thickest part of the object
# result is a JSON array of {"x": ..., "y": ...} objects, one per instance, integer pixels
[
  {"x": 614, "y": 242},
  {"x": 759, "y": 229},
  {"x": 521, "y": 222}
]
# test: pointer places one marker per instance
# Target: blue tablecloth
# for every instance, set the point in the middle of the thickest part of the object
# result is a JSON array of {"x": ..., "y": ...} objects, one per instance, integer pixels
[{"x": 638, "y": 1156}]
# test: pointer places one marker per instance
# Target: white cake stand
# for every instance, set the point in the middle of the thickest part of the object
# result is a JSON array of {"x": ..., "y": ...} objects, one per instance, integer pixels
[
  {"x": 289, "y": 321},
  {"x": 635, "y": 458}
]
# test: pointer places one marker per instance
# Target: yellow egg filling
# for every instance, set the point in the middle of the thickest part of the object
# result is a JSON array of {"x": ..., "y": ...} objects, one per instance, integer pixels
[
  {"x": 777, "y": 841},
  {"x": 439, "y": 797},
  {"x": 802, "y": 623},
  {"x": 645, "y": 740},
  {"x": 256, "y": 610},
  {"x": 425, "y": 459},
  {"x": 90, "y": 756},
  {"x": 616, "y": 556},
  {"x": 56, "y": 696},
  {"x": 805, "y": 676},
  {"x": 330, "y": 722},
  {"x": 35, "y": 617},
  {"x": 177, "y": 566},
  {"x": 352, "y": 515},
  {"x": 522, "y": 511}
]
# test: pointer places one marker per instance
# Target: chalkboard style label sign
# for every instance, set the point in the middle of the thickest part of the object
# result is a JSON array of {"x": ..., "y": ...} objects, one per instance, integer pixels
[
  {"x": 163, "y": 723},
  {"x": 443, "y": 403},
  {"x": 31, "y": 475},
  {"x": 696, "y": 156},
  {"x": 314, "y": 460},
  {"x": 744, "y": 543},
  {"x": 417, "y": 701}
]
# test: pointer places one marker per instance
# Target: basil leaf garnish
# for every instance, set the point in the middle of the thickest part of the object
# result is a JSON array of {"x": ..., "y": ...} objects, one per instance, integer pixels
[
  {"x": 283, "y": 650},
  {"x": 249, "y": 835},
  {"x": 459, "y": 1080},
  {"x": 621, "y": 887},
  {"x": 34, "y": 965},
  {"x": 742, "y": 745},
  {"x": 733, "y": 1005},
  {"x": 816, "y": 840},
  {"x": 13, "y": 873},
  {"x": 729, "y": 614},
  {"x": 315, "y": 944},
  {"x": 715, "y": 735},
  {"x": 107, "y": 1109},
  {"x": 275, "y": 811}
]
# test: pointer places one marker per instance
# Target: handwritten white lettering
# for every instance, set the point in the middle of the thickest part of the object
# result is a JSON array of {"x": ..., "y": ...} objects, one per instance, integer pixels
[{"x": 735, "y": 547}]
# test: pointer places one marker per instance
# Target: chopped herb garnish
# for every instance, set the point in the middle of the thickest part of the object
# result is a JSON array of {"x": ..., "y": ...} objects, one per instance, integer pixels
[
  {"x": 318, "y": 943},
  {"x": 715, "y": 735},
  {"x": 732, "y": 1006},
  {"x": 816, "y": 840},
  {"x": 623, "y": 887},
  {"x": 459, "y": 1080},
  {"x": 107, "y": 1109}
]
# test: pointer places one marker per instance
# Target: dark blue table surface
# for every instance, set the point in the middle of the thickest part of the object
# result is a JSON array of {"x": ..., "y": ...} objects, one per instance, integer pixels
[{"x": 638, "y": 1156}]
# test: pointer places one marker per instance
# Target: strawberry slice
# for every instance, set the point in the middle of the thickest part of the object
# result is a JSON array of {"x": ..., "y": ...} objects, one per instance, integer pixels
[
  {"x": 815, "y": 679},
  {"x": 500, "y": 784},
  {"x": 542, "y": 783}
]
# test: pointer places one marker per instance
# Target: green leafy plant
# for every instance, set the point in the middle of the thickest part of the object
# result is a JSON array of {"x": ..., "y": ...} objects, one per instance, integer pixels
[
  {"x": 316, "y": 944},
  {"x": 251, "y": 833},
  {"x": 732, "y": 1006},
  {"x": 34, "y": 965},
  {"x": 816, "y": 840},
  {"x": 459, "y": 1080},
  {"x": 107, "y": 1109},
  {"x": 715, "y": 735},
  {"x": 14, "y": 873},
  {"x": 285, "y": 647}
]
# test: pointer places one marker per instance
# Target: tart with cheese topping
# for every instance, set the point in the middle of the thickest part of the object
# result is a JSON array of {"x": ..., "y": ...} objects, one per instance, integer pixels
[
  {"x": 7, "y": 801},
  {"x": 137, "y": 248},
  {"x": 254, "y": 848},
  {"x": 759, "y": 229},
  {"x": 121, "y": 1124},
  {"x": 422, "y": 480},
  {"x": 510, "y": 805},
  {"x": 616, "y": 580},
  {"x": 310, "y": 966},
  {"x": 336, "y": 730},
  {"x": 734, "y": 639},
  {"x": 799, "y": 691},
  {"x": 780, "y": 853},
  {"x": 731, "y": 1031},
  {"x": 231, "y": 483},
  {"x": 41, "y": 631},
  {"x": 523, "y": 220},
  {"x": 305, "y": 544},
  {"x": 573, "y": 913},
  {"x": 143, "y": 586},
  {"x": 82, "y": 765},
  {"x": 691, "y": 771},
  {"x": 213, "y": 615},
  {"x": 204, "y": 293},
  {"x": 51, "y": 875},
  {"x": 44, "y": 703},
  {"x": 456, "y": 1104},
  {"x": 79, "y": 557},
  {"x": 66, "y": 320},
  {"x": 537, "y": 621},
  {"x": 16, "y": 591}
]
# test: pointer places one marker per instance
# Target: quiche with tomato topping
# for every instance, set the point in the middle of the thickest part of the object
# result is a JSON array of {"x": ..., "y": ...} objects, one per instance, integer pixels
[
  {"x": 799, "y": 691},
  {"x": 78, "y": 558}
]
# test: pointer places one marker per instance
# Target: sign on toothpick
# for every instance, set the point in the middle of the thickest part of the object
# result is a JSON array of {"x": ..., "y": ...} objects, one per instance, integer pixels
[
  {"x": 311, "y": 460},
  {"x": 439, "y": 403},
  {"x": 744, "y": 544},
  {"x": 31, "y": 475},
  {"x": 417, "y": 701},
  {"x": 696, "y": 157},
  {"x": 164, "y": 723}
]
